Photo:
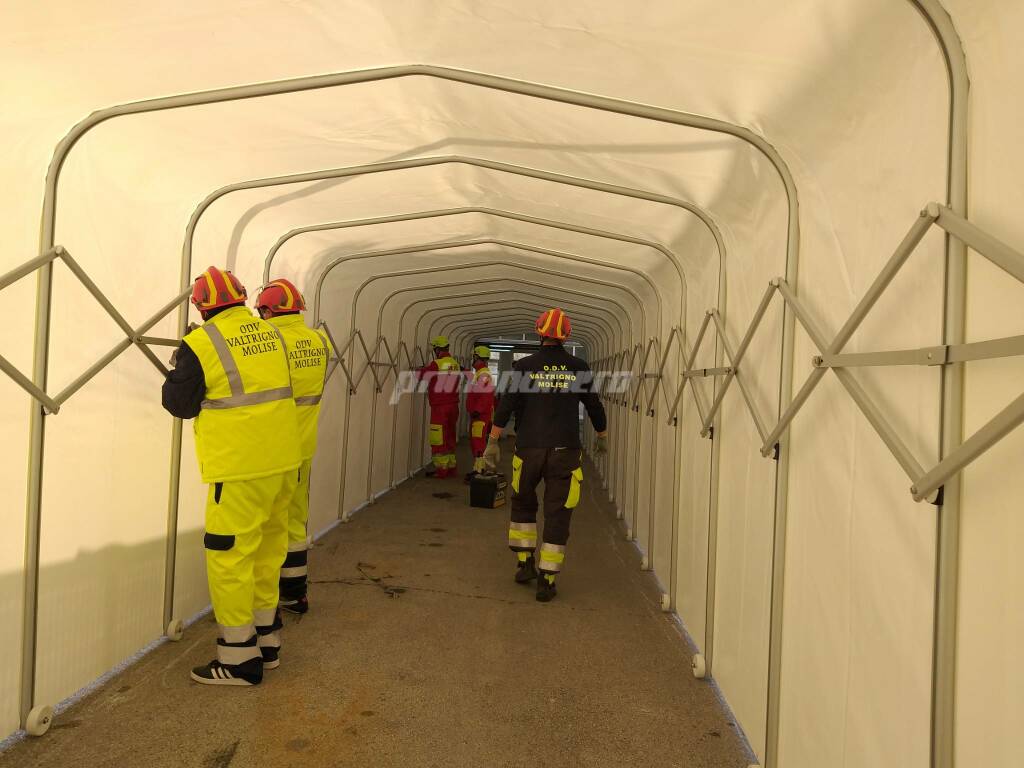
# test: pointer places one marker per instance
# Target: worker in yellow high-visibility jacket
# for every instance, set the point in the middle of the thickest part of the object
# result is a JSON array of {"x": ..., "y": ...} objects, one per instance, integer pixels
[
  {"x": 231, "y": 375},
  {"x": 309, "y": 351}
]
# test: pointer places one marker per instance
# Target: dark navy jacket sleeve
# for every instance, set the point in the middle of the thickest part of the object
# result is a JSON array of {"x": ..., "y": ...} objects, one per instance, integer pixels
[{"x": 185, "y": 386}]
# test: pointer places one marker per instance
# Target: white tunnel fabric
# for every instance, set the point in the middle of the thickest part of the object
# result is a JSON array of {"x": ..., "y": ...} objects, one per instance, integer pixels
[
  {"x": 854, "y": 96},
  {"x": 990, "y": 676}
]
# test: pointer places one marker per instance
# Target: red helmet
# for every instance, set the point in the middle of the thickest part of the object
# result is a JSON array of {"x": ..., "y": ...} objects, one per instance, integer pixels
[
  {"x": 280, "y": 296},
  {"x": 554, "y": 324},
  {"x": 217, "y": 288}
]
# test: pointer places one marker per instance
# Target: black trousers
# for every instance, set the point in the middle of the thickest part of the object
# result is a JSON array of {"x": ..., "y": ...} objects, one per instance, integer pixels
[{"x": 562, "y": 472}]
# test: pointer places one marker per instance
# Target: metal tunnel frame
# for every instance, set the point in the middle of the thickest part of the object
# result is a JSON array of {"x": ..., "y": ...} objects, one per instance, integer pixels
[
  {"x": 373, "y": 168},
  {"x": 606, "y": 335},
  {"x": 492, "y": 212},
  {"x": 607, "y": 341},
  {"x": 47, "y": 241},
  {"x": 953, "y": 377},
  {"x": 458, "y": 244}
]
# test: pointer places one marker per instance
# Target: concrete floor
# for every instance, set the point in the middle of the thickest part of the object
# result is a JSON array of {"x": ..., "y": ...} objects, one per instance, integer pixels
[{"x": 420, "y": 650}]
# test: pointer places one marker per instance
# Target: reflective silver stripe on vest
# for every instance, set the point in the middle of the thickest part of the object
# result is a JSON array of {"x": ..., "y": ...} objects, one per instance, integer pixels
[
  {"x": 239, "y": 397},
  {"x": 253, "y": 398},
  {"x": 308, "y": 400},
  {"x": 226, "y": 360}
]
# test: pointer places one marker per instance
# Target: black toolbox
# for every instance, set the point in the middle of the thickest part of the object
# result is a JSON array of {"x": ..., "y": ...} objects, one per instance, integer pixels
[{"x": 487, "y": 491}]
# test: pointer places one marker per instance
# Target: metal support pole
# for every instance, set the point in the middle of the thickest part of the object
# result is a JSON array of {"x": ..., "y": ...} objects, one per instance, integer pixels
[{"x": 951, "y": 428}]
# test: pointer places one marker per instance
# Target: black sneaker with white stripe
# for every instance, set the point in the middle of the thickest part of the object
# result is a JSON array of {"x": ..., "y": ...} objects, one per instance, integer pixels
[{"x": 216, "y": 673}]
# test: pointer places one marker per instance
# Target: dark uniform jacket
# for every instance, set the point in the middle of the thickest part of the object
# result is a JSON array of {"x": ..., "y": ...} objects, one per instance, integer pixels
[{"x": 544, "y": 392}]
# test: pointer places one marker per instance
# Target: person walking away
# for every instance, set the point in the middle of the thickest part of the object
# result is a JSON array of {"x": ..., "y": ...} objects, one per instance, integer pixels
[
  {"x": 231, "y": 376},
  {"x": 546, "y": 390},
  {"x": 281, "y": 304},
  {"x": 444, "y": 377}
]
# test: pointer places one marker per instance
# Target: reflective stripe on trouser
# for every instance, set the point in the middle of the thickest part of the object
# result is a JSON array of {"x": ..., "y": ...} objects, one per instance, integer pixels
[
  {"x": 522, "y": 536},
  {"x": 268, "y": 628},
  {"x": 246, "y": 541},
  {"x": 294, "y": 571},
  {"x": 562, "y": 475},
  {"x": 551, "y": 557}
]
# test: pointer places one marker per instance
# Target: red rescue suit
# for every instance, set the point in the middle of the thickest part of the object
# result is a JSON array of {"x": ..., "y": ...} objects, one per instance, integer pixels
[
  {"x": 480, "y": 405},
  {"x": 443, "y": 377}
]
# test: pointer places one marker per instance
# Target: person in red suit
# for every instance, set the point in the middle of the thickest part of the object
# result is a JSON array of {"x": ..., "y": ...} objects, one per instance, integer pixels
[{"x": 443, "y": 376}]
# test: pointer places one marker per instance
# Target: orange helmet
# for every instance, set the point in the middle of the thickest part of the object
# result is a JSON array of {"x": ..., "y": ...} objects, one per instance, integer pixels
[
  {"x": 554, "y": 324},
  {"x": 217, "y": 288},
  {"x": 280, "y": 296}
]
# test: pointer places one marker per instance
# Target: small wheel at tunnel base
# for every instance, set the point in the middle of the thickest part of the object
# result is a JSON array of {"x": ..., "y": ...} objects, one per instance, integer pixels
[
  {"x": 700, "y": 669},
  {"x": 175, "y": 630},
  {"x": 39, "y": 720}
]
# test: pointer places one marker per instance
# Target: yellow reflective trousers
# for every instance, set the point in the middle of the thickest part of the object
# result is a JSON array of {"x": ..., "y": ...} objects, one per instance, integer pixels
[{"x": 246, "y": 543}]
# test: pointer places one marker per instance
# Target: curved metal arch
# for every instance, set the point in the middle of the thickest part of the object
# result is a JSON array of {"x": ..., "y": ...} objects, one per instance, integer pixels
[
  {"x": 481, "y": 281},
  {"x": 949, "y": 43},
  {"x": 516, "y": 311},
  {"x": 373, "y": 168},
  {"x": 520, "y": 306},
  {"x": 510, "y": 168},
  {"x": 597, "y": 336},
  {"x": 447, "y": 326},
  {"x": 486, "y": 211},
  {"x": 401, "y": 325},
  {"x": 457, "y": 211},
  {"x": 603, "y": 339},
  {"x": 622, "y": 436},
  {"x": 405, "y": 273},
  {"x": 49, "y": 220},
  {"x": 473, "y": 242},
  {"x": 505, "y": 291}
]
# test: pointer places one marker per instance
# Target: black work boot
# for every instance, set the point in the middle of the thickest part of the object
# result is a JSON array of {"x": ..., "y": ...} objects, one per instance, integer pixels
[
  {"x": 526, "y": 570},
  {"x": 546, "y": 589}
]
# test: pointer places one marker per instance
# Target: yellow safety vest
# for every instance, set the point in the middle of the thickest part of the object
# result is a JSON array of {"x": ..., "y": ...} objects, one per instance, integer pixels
[
  {"x": 308, "y": 353},
  {"x": 247, "y": 427}
]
